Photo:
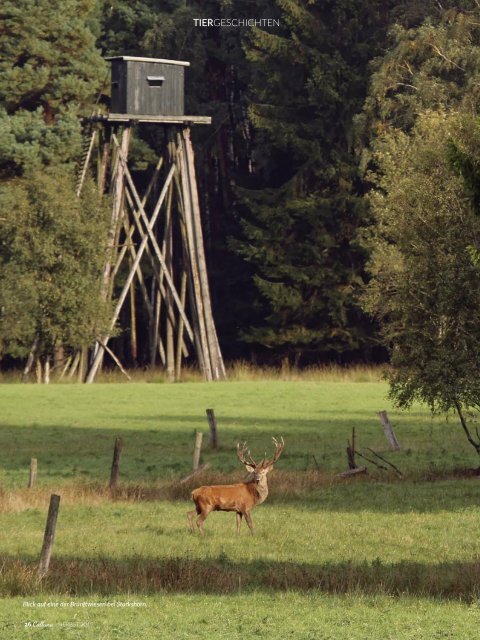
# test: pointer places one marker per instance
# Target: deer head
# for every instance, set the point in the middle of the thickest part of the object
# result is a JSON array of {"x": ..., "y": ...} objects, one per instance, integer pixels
[{"x": 259, "y": 470}]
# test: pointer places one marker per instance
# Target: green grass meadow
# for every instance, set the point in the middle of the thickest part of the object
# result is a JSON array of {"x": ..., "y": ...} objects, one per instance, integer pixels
[{"x": 376, "y": 556}]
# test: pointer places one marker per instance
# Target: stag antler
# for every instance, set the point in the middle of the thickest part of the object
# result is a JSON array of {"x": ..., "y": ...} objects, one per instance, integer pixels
[
  {"x": 244, "y": 455},
  {"x": 278, "y": 452}
]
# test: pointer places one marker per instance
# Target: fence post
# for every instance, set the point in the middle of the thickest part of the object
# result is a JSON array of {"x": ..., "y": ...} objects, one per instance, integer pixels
[
  {"x": 33, "y": 473},
  {"x": 388, "y": 430},
  {"x": 49, "y": 535},
  {"x": 116, "y": 463},
  {"x": 196, "y": 451},
  {"x": 212, "y": 423}
]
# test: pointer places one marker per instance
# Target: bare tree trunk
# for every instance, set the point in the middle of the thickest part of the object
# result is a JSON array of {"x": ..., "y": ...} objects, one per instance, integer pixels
[
  {"x": 475, "y": 445},
  {"x": 46, "y": 370},
  {"x": 30, "y": 360},
  {"x": 38, "y": 371},
  {"x": 82, "y": 365}
]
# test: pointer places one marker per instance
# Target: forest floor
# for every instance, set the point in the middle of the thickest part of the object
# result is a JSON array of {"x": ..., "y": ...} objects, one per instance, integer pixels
[{"x": 375, "y": 556}]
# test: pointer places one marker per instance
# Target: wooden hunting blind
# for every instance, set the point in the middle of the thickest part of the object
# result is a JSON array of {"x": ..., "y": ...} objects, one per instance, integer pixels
[
  {"x": 155, "y": 246},
  {"x": 147, "y": 86}
]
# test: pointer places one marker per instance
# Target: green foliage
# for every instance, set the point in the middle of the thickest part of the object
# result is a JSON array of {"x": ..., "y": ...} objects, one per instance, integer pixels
[
  {"x": 431, "y": 66},
  {"x": 303, "y": 207},
  {"x": 49, "y": 71},
  {"x": 300, "y": 251},
  {"x": 52, "y": 248},
  {"x": 51, "y": 242},
  {"x": 48, "y": 54},
  {"x": 425, "y": 289},
  {"x": 423, "y": 149},
  {"x": 27, "y": 142},
  {"x": 278, "y": 170}
]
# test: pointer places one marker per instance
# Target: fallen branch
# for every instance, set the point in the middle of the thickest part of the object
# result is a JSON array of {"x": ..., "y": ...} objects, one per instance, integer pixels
[
  {"x": 197, "y": 471},
  {"x": 386, "y": 462},
  {"x": 380, "y": 466},
  {"x": 352, "y": 472}
]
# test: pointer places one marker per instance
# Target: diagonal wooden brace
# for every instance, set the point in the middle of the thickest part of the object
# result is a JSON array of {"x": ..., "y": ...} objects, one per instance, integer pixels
[
  {"x": 126, "y": 287},
  {"x": 150, "y": 235}
]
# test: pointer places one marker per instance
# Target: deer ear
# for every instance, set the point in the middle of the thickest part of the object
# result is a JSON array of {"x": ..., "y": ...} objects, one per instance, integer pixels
[
  {"x": 269, "y": 468},
  {"x": 249, "y": 468}
]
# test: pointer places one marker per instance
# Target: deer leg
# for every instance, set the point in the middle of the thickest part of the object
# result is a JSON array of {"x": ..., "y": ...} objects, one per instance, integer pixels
[
  {"x": 249, "y": 520},
  {"x": 200, "y": 520},
  {"x": 239, "y": 522},
  {"x": 191, "y": 515}
]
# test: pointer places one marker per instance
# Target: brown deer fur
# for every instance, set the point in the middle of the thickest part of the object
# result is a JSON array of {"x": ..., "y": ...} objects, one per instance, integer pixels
[{"x": 240, "y": 498}]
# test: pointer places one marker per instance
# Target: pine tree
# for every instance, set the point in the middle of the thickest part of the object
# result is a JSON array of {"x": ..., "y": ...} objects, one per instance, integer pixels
[
  {"x": 302, "y": 210},
  {"x": 51, "y": 243},
  {"x": 49, "y": 71}
]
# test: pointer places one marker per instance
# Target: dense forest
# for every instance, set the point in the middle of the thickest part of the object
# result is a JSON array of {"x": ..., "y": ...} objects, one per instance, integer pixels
[{"x": 339, "y": 180}]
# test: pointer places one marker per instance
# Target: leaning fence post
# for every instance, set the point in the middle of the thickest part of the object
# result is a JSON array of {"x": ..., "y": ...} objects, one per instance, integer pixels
[
  {"x": 388, "y": 430},
  {"x": 33, "y": 473},
  {"x": 116, "y": 463},
  {"x": 49, "y": 535},
  {"x": 212, "y": 423},
  {"x": 197, "y": 449}
]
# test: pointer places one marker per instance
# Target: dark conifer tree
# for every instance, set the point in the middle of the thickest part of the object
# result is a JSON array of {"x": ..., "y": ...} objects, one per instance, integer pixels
[{"x": 302, "y": 208}]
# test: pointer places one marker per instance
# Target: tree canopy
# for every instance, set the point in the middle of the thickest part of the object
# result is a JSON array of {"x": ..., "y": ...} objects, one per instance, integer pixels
[
  {"x": 313, "y": 122},
  {"x": 51, "y": 256},
  {"x": 423, "y": 244}
]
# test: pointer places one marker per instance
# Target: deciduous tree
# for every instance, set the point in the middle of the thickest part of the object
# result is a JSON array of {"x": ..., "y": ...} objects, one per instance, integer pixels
[{"x": 425, "y": 287}]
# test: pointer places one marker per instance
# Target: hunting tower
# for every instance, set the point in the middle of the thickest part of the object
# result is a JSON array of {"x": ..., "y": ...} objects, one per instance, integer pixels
[{"x": 155, "y": 243}]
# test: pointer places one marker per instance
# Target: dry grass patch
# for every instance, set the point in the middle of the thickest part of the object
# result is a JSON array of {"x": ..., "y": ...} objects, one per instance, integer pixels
[
  {"x": 240, "y": 371},
  {"x": 284, "y": 484},
  {"x": 73, "y": 576}
]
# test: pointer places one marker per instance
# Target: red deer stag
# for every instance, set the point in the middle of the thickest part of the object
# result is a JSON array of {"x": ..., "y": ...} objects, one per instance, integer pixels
[{"x": 240, "y": 498}]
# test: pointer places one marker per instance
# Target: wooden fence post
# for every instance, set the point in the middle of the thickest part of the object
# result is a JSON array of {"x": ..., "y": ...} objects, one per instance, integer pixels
[
  {"x": 351, "y": 451},
  {"x": 388, "y": 430},
  {"x": 212, "y": 423},
  {"x": 196, "y": 451},
  {"x": 116, "y": 463},
  {"x": 33, "y": 473},
  {"x": 49, "y": 535}
]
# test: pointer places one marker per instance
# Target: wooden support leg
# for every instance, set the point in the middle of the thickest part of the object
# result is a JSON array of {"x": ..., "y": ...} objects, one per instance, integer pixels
[
  {"x": 148, "y": 234},
  {"x": 96, "y": 363},
  {"x": 203, "y": 353},
  {"x": 133, "y": 322},
  {"x": 178, "y": 361},
  {"x": 114, "y": 231},
  {"x": 158, "y": 273},
  {"x": 216, "y": 360}
]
